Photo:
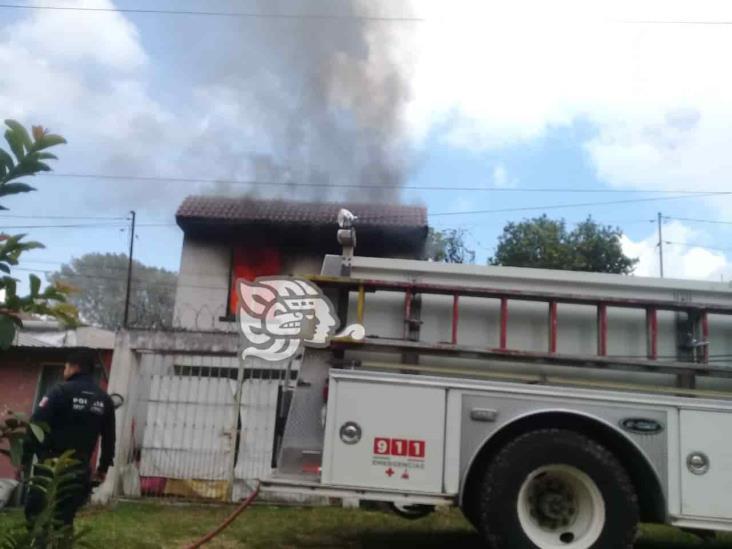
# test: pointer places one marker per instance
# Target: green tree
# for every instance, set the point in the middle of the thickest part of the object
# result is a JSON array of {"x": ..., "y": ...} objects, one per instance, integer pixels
[
  {"x": 546, "y": 243},
  {"x": 448, "y": 246},
  {"x": 101, "y": 281},
  {"x": 27, "y": 159}
]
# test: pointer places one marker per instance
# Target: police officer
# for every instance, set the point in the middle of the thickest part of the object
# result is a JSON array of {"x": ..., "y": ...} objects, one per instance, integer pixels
[{"x": 76, "y": 412}]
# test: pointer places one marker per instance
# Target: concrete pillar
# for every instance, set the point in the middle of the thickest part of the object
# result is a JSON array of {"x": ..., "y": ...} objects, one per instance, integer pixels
[{"x": 122, "y": 378}]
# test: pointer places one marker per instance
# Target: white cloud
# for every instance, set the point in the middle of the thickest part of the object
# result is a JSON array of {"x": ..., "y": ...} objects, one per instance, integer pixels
[
  {"x": 83, "y": 76},
  {"x": 501, "y": 178},
  {"x": 502, "y": 73},
  {"x": 681, "y": 259},
  {"x": 67, "y": 37}
]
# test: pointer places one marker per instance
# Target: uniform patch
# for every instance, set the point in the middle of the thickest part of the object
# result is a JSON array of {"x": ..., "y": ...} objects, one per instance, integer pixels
[{"x": 43, "y": 402}]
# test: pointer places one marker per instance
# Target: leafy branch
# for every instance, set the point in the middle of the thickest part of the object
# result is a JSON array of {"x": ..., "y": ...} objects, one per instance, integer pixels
[
  {"x": 27, "y": 157},
  {"x": 57, "y": 480},
  {"x": 14, "y": 428}
]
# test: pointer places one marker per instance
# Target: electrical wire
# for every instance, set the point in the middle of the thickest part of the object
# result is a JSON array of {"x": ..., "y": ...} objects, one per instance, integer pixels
[
  {"x": 255, "y": 182},
  {"x": 4, "y": 216},
  {"x": 695, "y": 220},
  {"x": 672, "y": 22},
  {"x": 69, "y": 226},
  {"x": 235, "y": 14},
  {"x": 87, "y": 226},
  {"x": 580, "y": 204},
  {"x": 437, "y": 214},
  {"x": 686, "y": 245},
  {"x": 120, "y": 278},
  {"x": 312, "y": 16}
]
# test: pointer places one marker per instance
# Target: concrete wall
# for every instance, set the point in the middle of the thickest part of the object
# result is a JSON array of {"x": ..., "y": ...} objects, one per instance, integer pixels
[{"x": 203, "y": 283}]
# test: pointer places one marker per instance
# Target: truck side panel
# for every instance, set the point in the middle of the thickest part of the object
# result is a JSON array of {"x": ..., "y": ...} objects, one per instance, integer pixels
[
  {"x": 401, "y": 438},
  {"x": 706, "y": 488}
]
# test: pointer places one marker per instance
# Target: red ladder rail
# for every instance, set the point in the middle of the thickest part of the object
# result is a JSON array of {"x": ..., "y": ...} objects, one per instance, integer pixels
[
  {"x": 602, "y": 329},
  {"x": 503, "y": 335},
  {"x": 553, "y": 299}
]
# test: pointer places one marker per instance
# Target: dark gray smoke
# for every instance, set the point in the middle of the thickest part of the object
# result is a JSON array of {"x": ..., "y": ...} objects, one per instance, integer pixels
[
  {"x": 309, "y": 101},
  {"x": 298, "y": 101}
]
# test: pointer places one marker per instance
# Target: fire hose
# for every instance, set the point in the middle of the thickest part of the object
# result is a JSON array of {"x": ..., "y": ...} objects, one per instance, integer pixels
[{"x": 220, "y": 528}]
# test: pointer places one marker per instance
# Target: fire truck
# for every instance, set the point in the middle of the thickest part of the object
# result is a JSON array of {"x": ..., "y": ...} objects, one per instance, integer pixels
[{"x": 554, "y": 408}]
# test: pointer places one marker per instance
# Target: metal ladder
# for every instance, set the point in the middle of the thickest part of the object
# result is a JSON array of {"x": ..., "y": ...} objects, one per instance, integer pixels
[{"x": 686, "y": 370}]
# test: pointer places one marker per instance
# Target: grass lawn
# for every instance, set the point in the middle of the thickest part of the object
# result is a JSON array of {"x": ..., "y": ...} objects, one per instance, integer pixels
[{"x": 153, "y": 525}]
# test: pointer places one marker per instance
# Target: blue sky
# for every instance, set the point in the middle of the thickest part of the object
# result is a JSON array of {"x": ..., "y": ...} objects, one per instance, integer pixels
[{"x": 520, "y": 100}]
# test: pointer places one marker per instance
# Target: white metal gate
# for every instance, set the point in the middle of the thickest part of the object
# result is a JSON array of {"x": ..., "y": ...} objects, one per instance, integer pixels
[{"x": 187, "y": 435}]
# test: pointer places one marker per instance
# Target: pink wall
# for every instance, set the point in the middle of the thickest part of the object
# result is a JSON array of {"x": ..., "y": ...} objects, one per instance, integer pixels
[
  {"x": 18, "y": 382},
  {"x": 20, "y": 372}
]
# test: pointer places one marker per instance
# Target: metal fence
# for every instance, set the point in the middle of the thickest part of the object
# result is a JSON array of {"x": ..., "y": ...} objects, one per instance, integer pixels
[{"x": 186, "y": 437}]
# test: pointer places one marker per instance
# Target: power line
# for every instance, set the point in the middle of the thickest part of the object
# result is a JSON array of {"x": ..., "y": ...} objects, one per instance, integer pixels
[
  {"x": 305, "y": 16},
  {"x": 69, "y": 262},
  {"x": 437, "y": 214},
  {"x": 240, "y": 14},
  {"x": 86, "y": 226},
  {"x": 71, "y": 226},
  {"x": 712, "y": 221},
  {"x": 673, "y": 22},
  {"x": 292, "y": 184},
  {"x": 580, "y": 204},
  {"x": 686, "y": 245},
  {"x": 46, "y": 262},
  {"x": 3, "y": 216},
  {"x": 120, "y": 279}
]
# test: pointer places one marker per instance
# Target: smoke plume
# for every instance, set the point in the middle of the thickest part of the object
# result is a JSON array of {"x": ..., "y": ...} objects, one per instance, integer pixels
[{"x": 308, "y": 101}]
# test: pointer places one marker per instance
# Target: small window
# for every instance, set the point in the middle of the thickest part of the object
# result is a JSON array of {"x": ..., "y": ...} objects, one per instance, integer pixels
[
  {"x": 51, "y": 375},
  {"x": 232, "y": 373}
]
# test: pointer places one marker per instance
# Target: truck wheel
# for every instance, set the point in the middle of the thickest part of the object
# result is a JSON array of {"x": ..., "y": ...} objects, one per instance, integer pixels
[
  {"x": 555, "y": 488},
  {"x": 411, "y": 512}
]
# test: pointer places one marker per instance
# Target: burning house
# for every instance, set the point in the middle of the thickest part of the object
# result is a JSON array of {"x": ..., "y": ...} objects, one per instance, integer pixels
[{"x": 180, "y": 433}]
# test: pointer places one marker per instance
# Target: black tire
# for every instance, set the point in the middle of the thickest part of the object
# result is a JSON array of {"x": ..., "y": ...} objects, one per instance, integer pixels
[
  {"x": 412, "y": 512},
  {"x": 504, "y": 476}
]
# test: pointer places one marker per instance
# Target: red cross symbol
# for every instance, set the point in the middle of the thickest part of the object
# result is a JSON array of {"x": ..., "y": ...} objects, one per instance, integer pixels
[{"x": 389, "y": 472}]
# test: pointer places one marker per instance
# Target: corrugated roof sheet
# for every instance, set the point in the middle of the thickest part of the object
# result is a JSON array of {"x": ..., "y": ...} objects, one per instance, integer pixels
[
  {"x": 23, "y": 339},
  {"x": 243, "y": 210},
  {"x": 52, "y": 336}
]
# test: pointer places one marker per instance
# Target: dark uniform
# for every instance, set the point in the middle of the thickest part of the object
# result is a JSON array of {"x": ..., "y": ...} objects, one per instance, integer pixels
[{"x": 77, "y": 412}]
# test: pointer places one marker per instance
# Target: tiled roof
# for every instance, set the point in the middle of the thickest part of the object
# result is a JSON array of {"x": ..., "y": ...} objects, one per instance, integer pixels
[{"x": 243, "y": 210}]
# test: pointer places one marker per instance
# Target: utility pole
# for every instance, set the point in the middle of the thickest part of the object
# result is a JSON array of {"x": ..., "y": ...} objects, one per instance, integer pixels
[
  {"x": 129, "y": 270},
  {"x": 660, "y": 243}
]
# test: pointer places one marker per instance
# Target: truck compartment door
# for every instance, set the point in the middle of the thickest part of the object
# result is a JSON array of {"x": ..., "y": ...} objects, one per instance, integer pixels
[
  {"x": 706, "y": 464},
  {"x": 385, "y": 436}
]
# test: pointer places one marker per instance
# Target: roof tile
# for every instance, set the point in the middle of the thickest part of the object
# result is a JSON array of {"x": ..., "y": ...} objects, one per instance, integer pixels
[{"x": 216, "y": 208}]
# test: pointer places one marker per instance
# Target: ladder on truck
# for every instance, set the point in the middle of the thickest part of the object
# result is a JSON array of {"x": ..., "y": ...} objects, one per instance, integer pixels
[{"x": 409, "y": 346}]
